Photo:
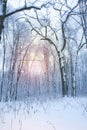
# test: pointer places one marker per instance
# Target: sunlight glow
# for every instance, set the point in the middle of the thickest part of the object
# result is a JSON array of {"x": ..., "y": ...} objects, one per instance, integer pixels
[{"x": 36, "y": 67}]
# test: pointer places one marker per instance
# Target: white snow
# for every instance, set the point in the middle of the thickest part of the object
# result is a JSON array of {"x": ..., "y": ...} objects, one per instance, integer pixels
[{"x": 54, "y": 114}]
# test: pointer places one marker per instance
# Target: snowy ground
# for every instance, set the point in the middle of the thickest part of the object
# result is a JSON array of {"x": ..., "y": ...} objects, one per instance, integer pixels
[{"x": 53, "y": 114}]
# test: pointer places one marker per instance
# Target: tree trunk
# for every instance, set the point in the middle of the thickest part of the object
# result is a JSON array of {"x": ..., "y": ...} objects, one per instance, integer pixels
[
  {"x": 3, "y": 3},
  {"x": 3, "y": 66}
]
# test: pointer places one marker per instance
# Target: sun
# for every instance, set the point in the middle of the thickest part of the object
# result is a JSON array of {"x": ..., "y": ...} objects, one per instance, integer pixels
[
  {"x": 35, "y": 64},
  {"x": 36, "y": 68}
]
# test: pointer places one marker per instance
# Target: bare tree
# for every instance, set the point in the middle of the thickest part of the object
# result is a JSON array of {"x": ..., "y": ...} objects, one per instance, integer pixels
[
  {"x": 83, "y": 15},
  {"x": 4, "y": 14}
]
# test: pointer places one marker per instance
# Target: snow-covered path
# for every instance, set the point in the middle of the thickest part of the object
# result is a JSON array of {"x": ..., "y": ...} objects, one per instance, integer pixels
[{"x": 59, "y": 114}]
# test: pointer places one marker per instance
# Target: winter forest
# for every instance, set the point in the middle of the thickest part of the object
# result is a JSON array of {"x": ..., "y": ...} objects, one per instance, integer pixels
[{"x": 43, "y": 55}]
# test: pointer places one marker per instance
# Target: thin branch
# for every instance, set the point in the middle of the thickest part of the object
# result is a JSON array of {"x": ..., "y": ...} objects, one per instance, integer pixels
[
  {"x": 70, "y": 12},
  {"x": 52, "y": 43},
  {"x": 81, "y": 46},
  {"x": 54, "y": 32}
]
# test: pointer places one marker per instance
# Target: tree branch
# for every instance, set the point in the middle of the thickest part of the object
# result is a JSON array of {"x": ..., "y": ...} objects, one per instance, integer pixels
[
  {"x": 26, "y": 8},
  {"x": 22, "y": 9}
]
